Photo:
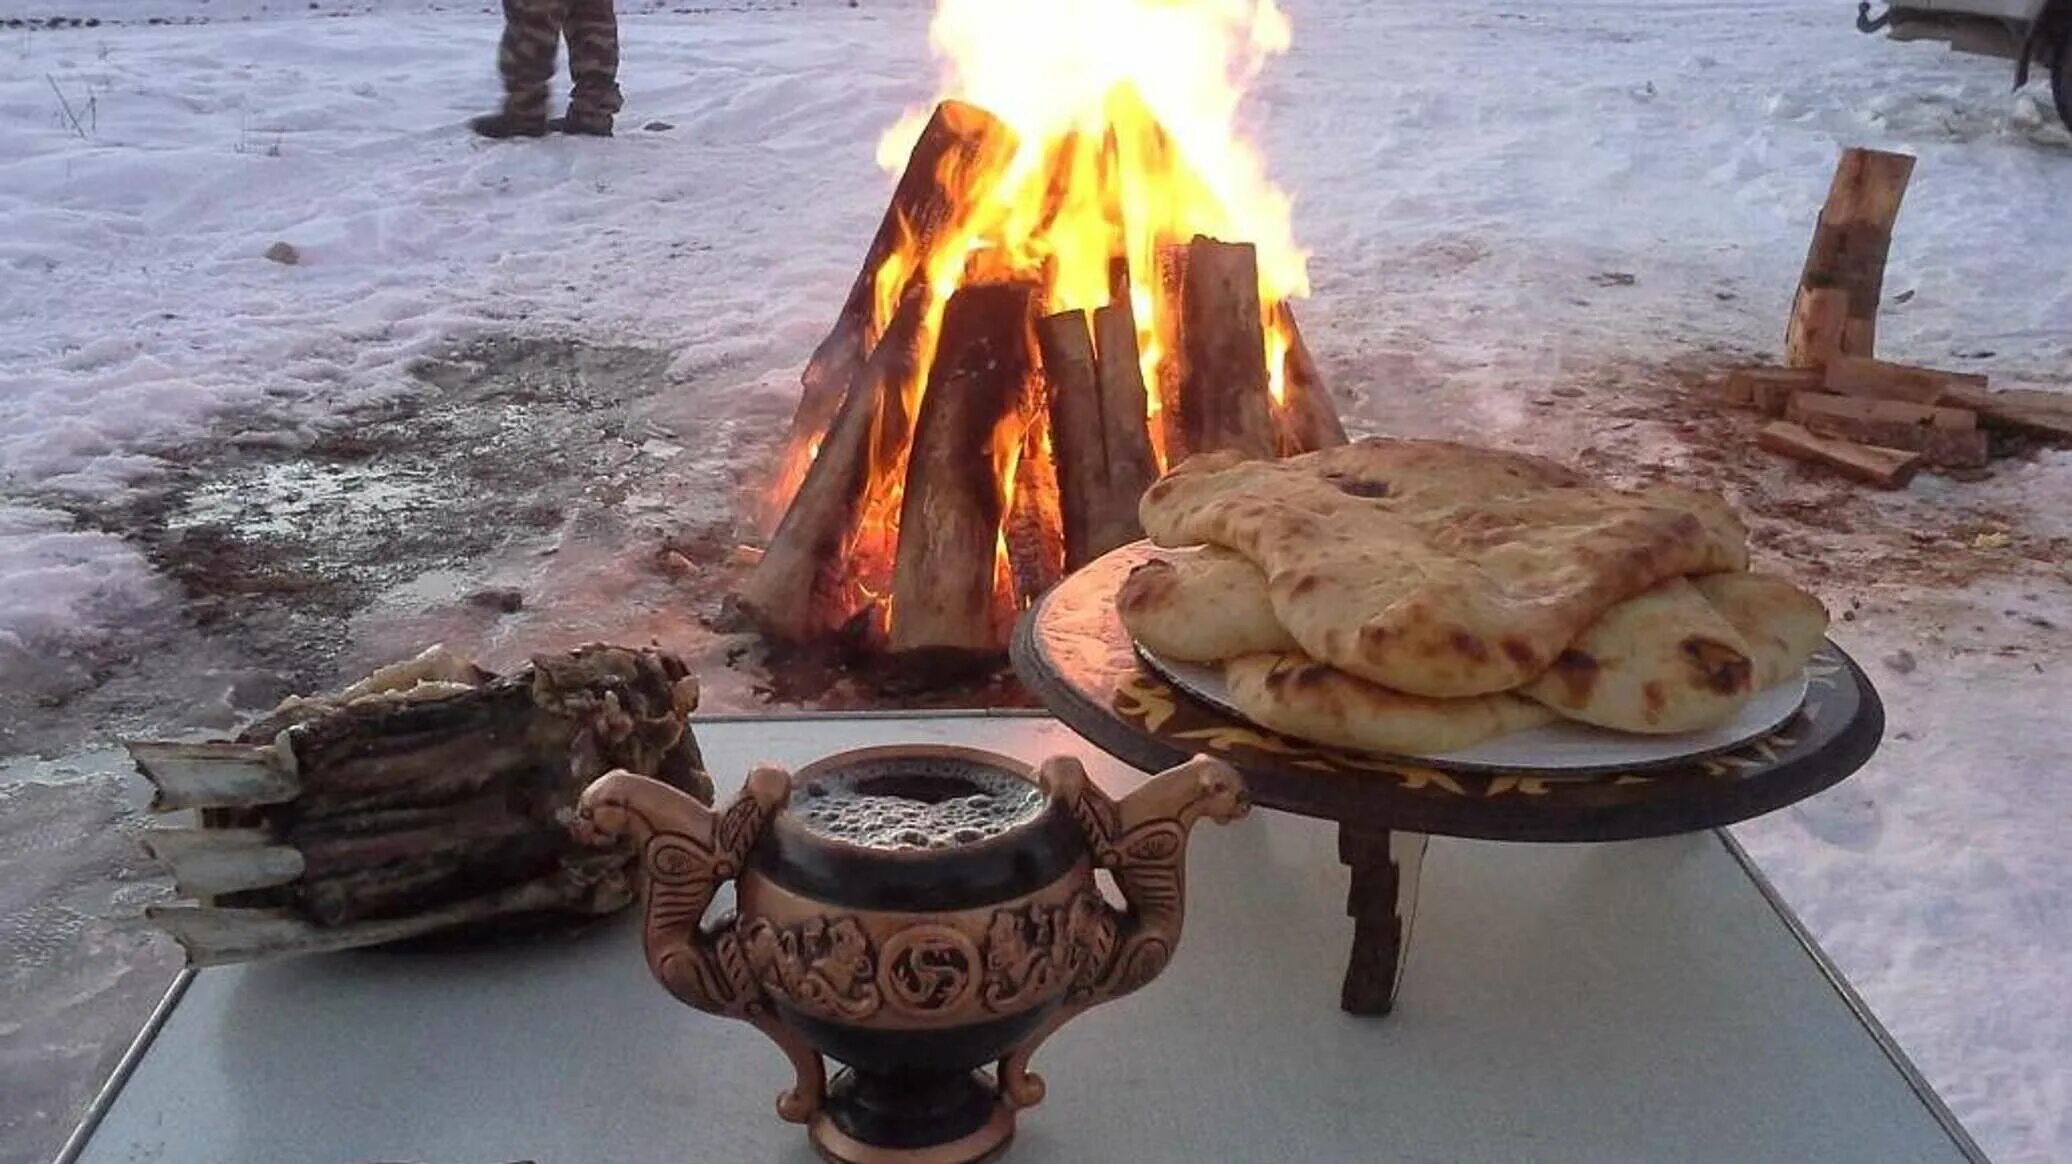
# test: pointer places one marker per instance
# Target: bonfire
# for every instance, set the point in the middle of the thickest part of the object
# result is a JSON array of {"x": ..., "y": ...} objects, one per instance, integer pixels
[{"x": 1084, "y": 276}]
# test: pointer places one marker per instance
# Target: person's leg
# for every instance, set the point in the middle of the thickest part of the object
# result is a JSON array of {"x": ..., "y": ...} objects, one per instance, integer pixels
[
  {"x": 525, "y": 59},
  {"x": 593, "y": 63}
]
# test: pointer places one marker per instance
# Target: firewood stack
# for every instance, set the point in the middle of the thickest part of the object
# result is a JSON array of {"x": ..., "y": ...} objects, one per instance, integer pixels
[
  {"x": 1833, "y": 402},
  {"x": 1032, "y": 428},
  {"x": 430, "y": 797}
]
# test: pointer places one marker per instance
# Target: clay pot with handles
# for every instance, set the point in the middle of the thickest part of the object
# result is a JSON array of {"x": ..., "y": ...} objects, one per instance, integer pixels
[{"x": 914, "y": 965}]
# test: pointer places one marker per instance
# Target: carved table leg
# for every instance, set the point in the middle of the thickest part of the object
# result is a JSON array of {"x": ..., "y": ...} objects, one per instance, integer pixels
[{"x": 1382, "y": 903}]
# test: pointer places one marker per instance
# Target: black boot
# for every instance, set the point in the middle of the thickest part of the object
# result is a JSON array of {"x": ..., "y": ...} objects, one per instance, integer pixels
[
  {"x": 502, "y": 125},
  {"x": 587, "y": 124}
]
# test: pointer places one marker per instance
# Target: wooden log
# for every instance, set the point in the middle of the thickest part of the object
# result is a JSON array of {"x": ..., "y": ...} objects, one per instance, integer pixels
[
  {"x": 1035, "y": 521},
  {"x": 1805, "y": 404},
  {"x": 949, "y": 520},
  {"x": 1069, "y": 161},
  {"x": 1169, "y": 277},
  {"x": 801, "y": 589},
  {"x": 1125, "y": 411},
  {"x": 1813, "y": 336},
  {"x": 1768, "y": 390},
  {"x": 2024, "y": 410},
  {"x": 1961, "y": 448},
  {"x": 1864, "y": 376},
  {"x": 1224, "y": 402},
  {"x": 961, "y": 154},
  {"x": 216, "y": 775},
  {"x": 1072, "y": 380},
  {"x": 1852, "y": 239},
  {"x": 1101, "y": 444},
  {"x": 1887, "y": 468},
  {"x": 207, "y": 862},
  {"x": 1307, "y": 419}
]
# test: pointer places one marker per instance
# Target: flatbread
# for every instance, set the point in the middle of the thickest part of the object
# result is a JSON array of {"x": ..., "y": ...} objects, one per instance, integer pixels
[
  {"x": 1298, "y": 696},
  {"x": 1439, "y": 569},
  {"x": 1782, "y": 624},
  {"x": 1201, "y": 608},
  {"x": 1660, "y": 662}
]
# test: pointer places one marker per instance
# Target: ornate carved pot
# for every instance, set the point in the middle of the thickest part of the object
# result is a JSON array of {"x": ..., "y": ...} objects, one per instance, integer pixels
[{"x": 914, "y": 913}]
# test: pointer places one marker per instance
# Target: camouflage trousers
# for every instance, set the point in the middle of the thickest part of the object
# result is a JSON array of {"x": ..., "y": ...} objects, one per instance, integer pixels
[{"x": 533, "y": 31}]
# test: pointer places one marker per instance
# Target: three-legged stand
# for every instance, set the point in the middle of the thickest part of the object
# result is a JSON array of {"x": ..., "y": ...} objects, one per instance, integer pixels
[{"x": 1382, "y": 903}]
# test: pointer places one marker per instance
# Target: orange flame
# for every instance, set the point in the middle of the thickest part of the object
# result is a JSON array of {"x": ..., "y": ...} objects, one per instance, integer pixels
[
  {"x": 1128, "y": 141},
  {"x": 1125, "y": 116},
  {"x": 1157, "y": 82}
]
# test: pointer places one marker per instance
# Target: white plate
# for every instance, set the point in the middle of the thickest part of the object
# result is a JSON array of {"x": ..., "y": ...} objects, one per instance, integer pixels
[{"x": 1563, "y": 745}]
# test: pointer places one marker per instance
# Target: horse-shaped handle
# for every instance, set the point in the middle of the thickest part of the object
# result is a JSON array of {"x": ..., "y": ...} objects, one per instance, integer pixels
[
  {"x": 686, "y": 852},
  {"x": 1142, "y": 841}
]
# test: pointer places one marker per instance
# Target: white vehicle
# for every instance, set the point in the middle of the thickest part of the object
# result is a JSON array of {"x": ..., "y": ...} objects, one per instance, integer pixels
[{"x": 2023, "y": 31}]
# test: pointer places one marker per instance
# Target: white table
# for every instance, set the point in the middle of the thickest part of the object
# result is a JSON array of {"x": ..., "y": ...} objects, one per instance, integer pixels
[{"x": 1644, "y": 1001}]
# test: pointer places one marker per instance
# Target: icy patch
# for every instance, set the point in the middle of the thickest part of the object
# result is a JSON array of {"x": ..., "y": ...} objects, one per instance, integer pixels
[
  {"x": 309, "y": 499},
  {"x": 70, "y": 768}
]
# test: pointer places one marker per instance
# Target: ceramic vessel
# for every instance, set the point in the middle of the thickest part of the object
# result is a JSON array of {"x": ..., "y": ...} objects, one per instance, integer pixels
[{"x": 915, "y": 914}]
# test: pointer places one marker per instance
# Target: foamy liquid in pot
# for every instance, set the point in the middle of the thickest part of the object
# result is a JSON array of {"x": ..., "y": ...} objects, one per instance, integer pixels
[{"x": 915, "y": 804}]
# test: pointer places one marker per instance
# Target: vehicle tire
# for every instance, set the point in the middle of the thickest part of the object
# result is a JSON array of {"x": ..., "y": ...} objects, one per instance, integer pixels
[{"x": 2061, "y": 72}]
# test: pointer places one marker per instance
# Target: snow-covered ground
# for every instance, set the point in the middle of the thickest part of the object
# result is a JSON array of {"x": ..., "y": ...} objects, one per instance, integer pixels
[{"x": 1531, "y": 223}]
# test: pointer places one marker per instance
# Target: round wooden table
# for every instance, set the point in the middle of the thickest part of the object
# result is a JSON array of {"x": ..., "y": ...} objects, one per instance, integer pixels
[{"x": 1072, "y": 651}]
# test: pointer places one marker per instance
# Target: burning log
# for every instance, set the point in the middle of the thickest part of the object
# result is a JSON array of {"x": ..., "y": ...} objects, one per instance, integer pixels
[
  {"x": 1125, "y": 420},
  {"x": 1223, "y": 386},
  {"x": 1102, "y": 441},
  {"x": 800, "y": 586},
  {"x": 950, "y": 517},
  {"x": 1073, "y": 376},
  {"x": 926, "y": 505},
  {"x": 961, "y": 154},
  {"x": 1851, "y": 241},
  {"x": 1035, "y": 524},
  {"x": 414, "y": 804},
  {"x": 1309, "y": 421}
]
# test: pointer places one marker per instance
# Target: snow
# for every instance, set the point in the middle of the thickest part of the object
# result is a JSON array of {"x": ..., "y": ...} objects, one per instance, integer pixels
[
  {"x": 1500, "y": 197},
  {"x": 57, "y": 580},
  {"x": 140, "y": 307}
]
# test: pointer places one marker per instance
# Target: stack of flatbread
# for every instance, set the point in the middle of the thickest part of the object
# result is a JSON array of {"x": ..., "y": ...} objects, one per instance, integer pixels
[{"x": 1421, "y": 596}]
